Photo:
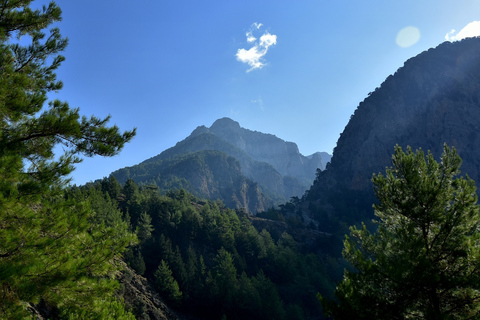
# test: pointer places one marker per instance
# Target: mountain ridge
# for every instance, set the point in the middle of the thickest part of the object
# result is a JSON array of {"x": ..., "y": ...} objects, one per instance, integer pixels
[{"x": 262, "y": 159}]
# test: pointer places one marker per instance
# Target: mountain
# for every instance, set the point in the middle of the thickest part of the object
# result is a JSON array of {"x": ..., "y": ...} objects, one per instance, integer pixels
[
  {"x": 284, "y": 156},
  {"x": 243, "y": 168},
  {"x": 433, "y": 99},
  {"x": 211, "y": 174}
]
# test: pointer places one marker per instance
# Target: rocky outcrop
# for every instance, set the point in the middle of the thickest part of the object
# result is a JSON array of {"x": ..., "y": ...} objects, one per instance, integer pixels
[
  {"x": 284, "y": 156},
  {"x": 143, "y": 300},
  {"x": 137, "y": 293}
]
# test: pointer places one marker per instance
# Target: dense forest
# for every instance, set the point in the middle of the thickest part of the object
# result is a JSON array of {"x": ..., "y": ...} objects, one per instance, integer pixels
[{"x": 207, "y": 259}]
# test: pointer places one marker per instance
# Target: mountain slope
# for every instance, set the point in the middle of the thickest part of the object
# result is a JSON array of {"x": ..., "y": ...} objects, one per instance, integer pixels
[
  {"x": 210, "y": 174},
  {"x": 250, "y": 148},
  {"x": 433, "y": 99},
  {"x": 269, "y": 170},
  {"x": 284, "y": 156}
]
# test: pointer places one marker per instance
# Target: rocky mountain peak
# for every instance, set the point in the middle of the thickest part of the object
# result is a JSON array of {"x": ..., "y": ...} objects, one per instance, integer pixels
[
  {"x": 199, "y": 130},
  {"x": 225, "y": 124},
  {"x": 245, "y": 168},
  {"x": 284, "y": 156}
]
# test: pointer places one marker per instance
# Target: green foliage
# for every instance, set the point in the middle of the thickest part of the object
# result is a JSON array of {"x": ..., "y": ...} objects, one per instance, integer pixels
[
  {"x": 423, "y": 260},
  {"x": 214, "y": 257},
  {"x": 101, "y": 309},
  {"x": 144, "y": 227},
  {"x": 112, "y": 187},
  {"x": 166, "y": 283},
  {"x": 134, "y": 259},
  {"x": 52, "y": 248},
  {"x": 224, "y": 278},
  {"x": 130, "y": 202}
]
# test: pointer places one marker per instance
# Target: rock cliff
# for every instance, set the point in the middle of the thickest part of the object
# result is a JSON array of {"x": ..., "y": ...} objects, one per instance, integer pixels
[
  {"x": 284, "y": 156},
  {"x": 433, "y": 99}
]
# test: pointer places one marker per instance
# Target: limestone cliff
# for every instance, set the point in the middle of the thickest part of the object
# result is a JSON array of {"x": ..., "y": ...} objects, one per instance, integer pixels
[
  {"x": 284, "y": 156},
  {"x": 433, "y": 99}
]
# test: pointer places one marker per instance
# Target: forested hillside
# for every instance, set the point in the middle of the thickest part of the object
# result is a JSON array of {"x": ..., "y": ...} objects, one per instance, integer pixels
[
  {"x": 209, "y": 174},
  {"x": 208, "y": 260}
]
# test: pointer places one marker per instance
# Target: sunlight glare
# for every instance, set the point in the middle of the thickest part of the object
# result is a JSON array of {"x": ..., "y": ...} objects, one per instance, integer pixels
[{"x": 408, "y": 36}]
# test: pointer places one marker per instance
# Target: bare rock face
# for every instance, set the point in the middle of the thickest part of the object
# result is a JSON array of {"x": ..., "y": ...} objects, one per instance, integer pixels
[
  {"x": 433, "y": 99},
  {"x": 143, "y": 300},
  {"x": 284, "y": 156},
  {"x": 139, "y": 297}
]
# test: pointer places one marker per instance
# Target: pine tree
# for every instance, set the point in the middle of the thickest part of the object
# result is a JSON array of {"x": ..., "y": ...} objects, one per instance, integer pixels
[
  {"x": 48, "y": 248},
  {"x": 144, "y": 227},
  {"x": 131, "y": 202},
  {"x": 423, "y": 261},
  {"x": 111, "y": 186},
  {"x": 166, "y": 283},
  {"x": 224, "y": 278}
]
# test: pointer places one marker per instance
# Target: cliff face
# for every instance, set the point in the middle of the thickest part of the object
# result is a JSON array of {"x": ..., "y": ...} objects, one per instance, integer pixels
[
  {"x": 284, "y": 156},
  {"x": 433, "y": 99}
]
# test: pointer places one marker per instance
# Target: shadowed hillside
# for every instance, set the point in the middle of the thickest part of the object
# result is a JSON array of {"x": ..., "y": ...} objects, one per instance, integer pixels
[{"x": 433, "y": 99}]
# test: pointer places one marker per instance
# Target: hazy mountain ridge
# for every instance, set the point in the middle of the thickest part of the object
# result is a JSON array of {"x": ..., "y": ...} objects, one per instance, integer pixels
[
  {"x": 249, "y": 146},
  {"x": 256, "y": 181}
]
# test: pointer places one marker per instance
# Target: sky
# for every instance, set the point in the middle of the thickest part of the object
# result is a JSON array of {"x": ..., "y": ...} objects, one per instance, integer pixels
[{"x": 295, "y": 69}]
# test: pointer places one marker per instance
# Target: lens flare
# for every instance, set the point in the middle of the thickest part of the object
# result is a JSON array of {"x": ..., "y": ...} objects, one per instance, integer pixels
[{"x": 408, "y": 36}]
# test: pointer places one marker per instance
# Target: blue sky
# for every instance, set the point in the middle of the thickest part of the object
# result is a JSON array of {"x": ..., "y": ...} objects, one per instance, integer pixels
[{"x": 167, "y": 67}]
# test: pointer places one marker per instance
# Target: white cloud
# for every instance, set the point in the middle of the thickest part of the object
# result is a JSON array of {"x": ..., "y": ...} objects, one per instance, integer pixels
[
  {"x": 254, "y": 56},
  {"x": 268, "y": 40},
  {"x": 470, "y": 30},
  {"x": 259, "y": 101},
  {"x": 257, "y": 25},
  {"x": 251, "y": 56}
]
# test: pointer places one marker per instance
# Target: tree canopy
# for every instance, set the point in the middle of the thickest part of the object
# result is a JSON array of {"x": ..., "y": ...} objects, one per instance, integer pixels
[
  {"x": 51, "y": 249},
  {"x": 423, "y": 260}
]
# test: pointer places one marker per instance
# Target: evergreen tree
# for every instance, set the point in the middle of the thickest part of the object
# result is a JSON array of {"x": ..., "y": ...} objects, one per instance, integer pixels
[
  {"x": 48, "y": 248},
  {"x": 130, "y": 202},
  {"x": 423, "y": 261},
  {"x": 134, "y": 258},
  {"x": 144, "y": 227},
  {"x": 166, "y": 283},
  {"x": 271, "y": 303},
  {"x": 224, "y": 278},
  {"x": 247, "y": 299},
  {"x": 112, "y": 187}
]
